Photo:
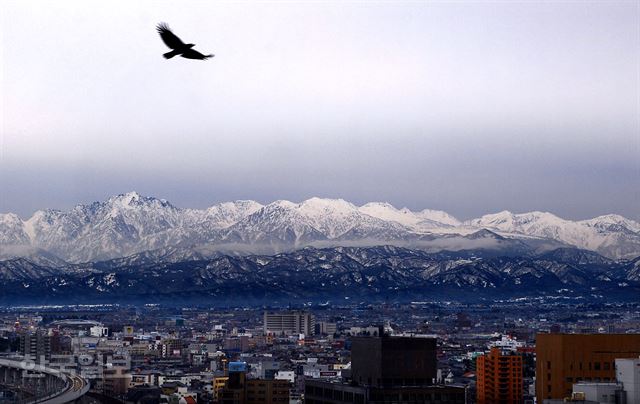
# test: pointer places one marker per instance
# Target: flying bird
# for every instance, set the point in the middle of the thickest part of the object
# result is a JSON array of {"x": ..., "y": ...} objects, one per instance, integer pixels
[{"x": 179, "y": 47}]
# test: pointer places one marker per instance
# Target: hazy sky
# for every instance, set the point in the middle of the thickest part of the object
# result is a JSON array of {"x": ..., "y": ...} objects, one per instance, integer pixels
[{"x": 469, "y": 107}]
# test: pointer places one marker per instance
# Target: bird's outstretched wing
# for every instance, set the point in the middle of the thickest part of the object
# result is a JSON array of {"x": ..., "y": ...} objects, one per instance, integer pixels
[
  {"x": 168, "y": 37},
  {"x": 194, "y": 54}
]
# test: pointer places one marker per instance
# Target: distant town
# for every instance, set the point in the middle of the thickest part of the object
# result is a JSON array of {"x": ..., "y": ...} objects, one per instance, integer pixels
[{"x": 422, "y": 352}]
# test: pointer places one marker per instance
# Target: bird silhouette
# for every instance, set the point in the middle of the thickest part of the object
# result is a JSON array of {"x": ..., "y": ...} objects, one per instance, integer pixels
[{"x": 179, "y": 47}]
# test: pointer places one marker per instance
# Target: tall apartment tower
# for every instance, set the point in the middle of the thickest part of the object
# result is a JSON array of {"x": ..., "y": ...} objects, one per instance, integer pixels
[
  {"x": 565, "y": 359},
  {"x": 499, "y": 378},
  {"x": 36, "y": 346},
  {"x": 289, "y": 323}
]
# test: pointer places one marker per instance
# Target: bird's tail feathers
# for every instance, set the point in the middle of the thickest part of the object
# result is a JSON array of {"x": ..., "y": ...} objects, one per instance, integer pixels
[
  {"x": 171, "y": 54},
  {"x": 208, "y": 56}
]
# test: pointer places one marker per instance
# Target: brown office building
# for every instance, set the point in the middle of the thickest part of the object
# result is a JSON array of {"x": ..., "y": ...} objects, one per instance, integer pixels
[
  {"x": 499, "y": 378},
  {"x": 564, "y": 359}
]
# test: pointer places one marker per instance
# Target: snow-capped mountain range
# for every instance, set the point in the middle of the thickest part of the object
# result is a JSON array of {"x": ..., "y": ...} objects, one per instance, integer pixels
[{"x": 130, "y": 223}]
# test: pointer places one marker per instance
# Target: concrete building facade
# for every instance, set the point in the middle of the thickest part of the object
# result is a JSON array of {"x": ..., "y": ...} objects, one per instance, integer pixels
[
  {"x": 36, "y": 346},
  {"x": 628, "y": 375}
]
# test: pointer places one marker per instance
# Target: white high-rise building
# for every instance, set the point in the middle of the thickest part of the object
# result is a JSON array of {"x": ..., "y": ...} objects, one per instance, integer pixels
[
  {"x": 98, "y": 331},
  {"x": 289, "y": 323}
]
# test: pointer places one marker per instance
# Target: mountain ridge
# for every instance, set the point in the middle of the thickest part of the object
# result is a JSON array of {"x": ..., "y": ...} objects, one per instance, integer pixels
[
  {"x": 130, "y": 223},
  {"x": 311, "y": 274}
]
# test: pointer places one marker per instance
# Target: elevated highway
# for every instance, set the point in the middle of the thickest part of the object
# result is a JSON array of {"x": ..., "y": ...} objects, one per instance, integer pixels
[{"x": 37, "y": 384}]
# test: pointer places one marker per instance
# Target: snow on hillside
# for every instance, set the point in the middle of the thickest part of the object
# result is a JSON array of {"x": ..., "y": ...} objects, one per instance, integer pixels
[
  {"x": 130, "y": 223},
  {"x": 424, "y": 220},
  {"x": 12, "y": 230},
  {"x": 611, "y": 235}
]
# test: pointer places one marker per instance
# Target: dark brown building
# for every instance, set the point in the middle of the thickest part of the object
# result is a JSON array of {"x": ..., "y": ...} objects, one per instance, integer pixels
[
  {"x": 387, "y": 370},
  {"x": 267, "y": 391},
  {"x": 324, "y": 392},
  {"x": 393, "y": 361},
  {"x": 240, "y": 390},
  {"x": 257, "y": 391},
  {"x": 564, "y": 359}
]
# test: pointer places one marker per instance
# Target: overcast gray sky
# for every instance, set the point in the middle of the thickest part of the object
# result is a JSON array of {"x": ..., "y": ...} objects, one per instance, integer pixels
[{"x": 469, "y": 107}]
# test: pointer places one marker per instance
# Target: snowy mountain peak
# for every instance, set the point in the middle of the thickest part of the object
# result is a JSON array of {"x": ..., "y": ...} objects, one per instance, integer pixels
[
  {"x": 378, "y": 205},
  {"x": 282, "y": 203},
  {"x": 507, "y": 220},
  {"x": 224, "y": 214},
  {"x": 519, "y": 222},
  {"x": 132, "y": 196},
  {"x": 504, "y": 216},
  {"x": 131, "y": 223},
  {"x": 317, "y": 205},
  {"x": 246, "y": 204},
  {"x": 126, "y": 198},
  {"x": 134, "y": 199},
  {"x": 12, "y": 230},
  {"x": 9, "y": 218},
  {"x": 439, "y": 216},
  {"x": 612, "y": 220},
  {"x": 425, "y": 220},
  {"x": 236, "y": 206}
]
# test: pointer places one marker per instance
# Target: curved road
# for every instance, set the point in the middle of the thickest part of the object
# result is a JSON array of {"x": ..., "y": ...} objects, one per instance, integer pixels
[{"x": 75, "y": 386}]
